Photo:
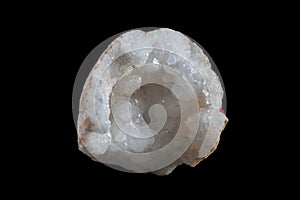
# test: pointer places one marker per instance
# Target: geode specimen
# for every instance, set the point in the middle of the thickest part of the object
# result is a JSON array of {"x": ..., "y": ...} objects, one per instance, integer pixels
[{"x": 151, "y": 103}]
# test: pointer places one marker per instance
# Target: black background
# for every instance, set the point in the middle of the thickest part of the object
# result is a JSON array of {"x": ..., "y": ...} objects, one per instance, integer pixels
[{"x": 240, "y": 41}]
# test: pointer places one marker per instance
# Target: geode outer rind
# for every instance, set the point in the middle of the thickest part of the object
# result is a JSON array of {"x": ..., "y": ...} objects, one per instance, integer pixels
[{"x": 95, "y": 125}]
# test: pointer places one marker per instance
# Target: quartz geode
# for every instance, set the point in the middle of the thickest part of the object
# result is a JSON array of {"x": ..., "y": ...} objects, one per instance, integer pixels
[{"x": 150, "y": 103}]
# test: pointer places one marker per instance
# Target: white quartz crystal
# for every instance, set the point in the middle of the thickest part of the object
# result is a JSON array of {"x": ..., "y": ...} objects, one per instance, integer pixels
[{"x": 150, "y": 103}]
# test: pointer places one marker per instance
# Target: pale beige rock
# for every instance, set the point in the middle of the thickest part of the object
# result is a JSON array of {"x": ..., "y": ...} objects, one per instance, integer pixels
[{"x": 122, "y": 95}]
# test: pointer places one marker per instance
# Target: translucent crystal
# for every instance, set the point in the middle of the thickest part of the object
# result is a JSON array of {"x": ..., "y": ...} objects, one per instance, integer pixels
[{"x": 151, "y": 103}]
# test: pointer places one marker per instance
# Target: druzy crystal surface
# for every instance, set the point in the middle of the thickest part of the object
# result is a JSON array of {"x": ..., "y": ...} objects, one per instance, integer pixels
[{"x": 151, "y": 103}]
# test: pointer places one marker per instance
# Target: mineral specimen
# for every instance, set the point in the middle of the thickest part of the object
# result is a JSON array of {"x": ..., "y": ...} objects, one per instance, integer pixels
[{"x": 151, "y": 103}]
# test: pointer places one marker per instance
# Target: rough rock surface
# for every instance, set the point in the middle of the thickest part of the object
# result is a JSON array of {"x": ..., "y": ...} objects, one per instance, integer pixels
[{"x": 150, "y": 103}]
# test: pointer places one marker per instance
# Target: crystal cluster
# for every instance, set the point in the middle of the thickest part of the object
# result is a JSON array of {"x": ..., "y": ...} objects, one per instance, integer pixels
[{"x": 151, "y": 103}]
